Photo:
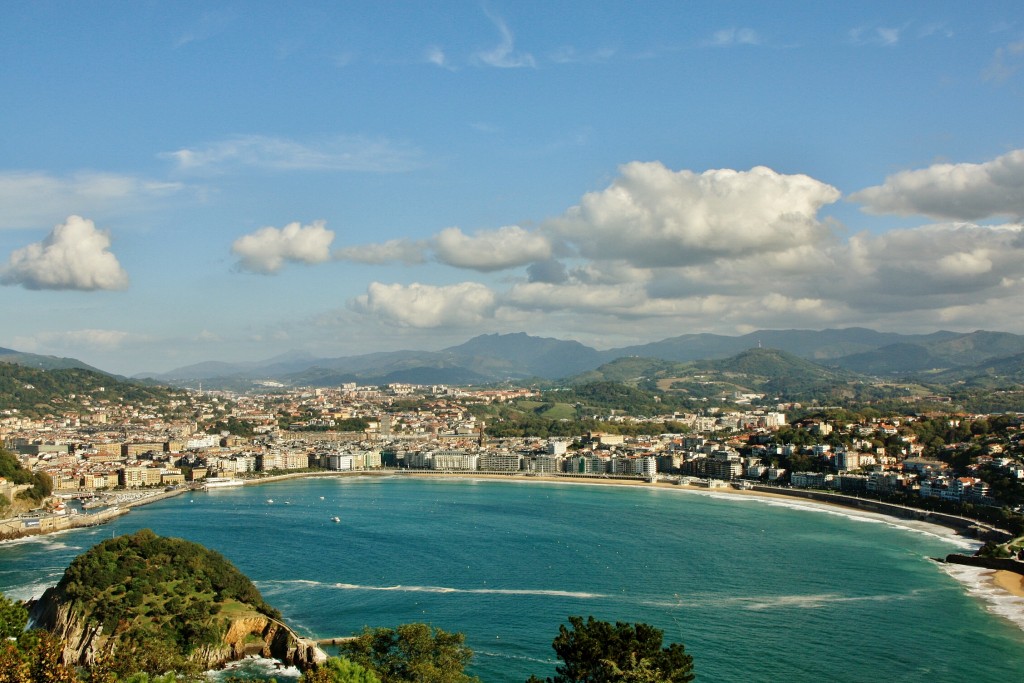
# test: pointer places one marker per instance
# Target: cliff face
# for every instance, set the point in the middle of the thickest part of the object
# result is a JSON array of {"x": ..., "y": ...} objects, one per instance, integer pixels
[{"x": 253, "y": 634}]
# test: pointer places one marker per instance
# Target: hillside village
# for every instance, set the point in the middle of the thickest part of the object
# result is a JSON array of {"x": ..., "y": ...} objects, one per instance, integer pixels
[{"x": 106, "y": 453}]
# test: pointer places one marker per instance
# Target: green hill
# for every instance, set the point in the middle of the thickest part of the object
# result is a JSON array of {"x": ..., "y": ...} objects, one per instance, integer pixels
[
  {"x": 161, "y": 604},
  {"x": 35, "y": 392}
]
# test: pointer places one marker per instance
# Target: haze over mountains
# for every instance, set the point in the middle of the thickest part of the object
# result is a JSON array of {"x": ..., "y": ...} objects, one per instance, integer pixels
[
  {"x": 498, "y": 357},
  {"x": 940, "y": 357}
]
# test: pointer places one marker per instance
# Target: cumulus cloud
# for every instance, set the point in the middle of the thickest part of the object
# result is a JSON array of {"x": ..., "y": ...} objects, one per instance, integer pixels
[
  {"x": 652, "y": 216},
  {"x": 428, "y": 306},
  {"x": 30, "y": 198},
  {"x": 933, "y": 266},
  {"x": 967, "y": 192},
  {"x": 504, "y": 54},
  {"x": 551, "y": 271},
  {"x": 267, "y": 249},
  {"x": 489, "y": 250},
  {"x": 392, "y": 251},
  {"x": 75, "y": 255},
  {"x": 339, "y": 153}
]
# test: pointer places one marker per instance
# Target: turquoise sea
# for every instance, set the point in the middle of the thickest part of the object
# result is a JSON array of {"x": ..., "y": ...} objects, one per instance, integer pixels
[{"x": 758, "y": 590}]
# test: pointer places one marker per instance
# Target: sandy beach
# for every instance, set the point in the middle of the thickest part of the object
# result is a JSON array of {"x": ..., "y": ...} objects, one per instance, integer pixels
[{"x": 1011, "y": 582}]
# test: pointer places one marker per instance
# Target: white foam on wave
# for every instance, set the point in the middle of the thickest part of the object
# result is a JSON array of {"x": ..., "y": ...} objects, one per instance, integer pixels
[
  {"x": 505, "y": 655},
  {"x": 255, "y": 668},
  {"x": 473, "y": 591},
  {"x": 765, "y": 602},
  {"x": 30, "y": 591},
  {"x": 916, "y": 526},
  {"x": 272, "y": 586},
  {"x": 980, "y": 584},
  {"x": 51, "y": 540}
]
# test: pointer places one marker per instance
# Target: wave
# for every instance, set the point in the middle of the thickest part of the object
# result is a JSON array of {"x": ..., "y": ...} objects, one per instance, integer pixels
[
  {"x": 50, "y": 540},
  {"x": 916, "y": 526},
  {"x": 980, "y": 584},
  {"x": 764, "y": 602},
  {"x": 275, "y": 585},
  {"x": 254, "y": 668},
  {"x": 505, "y": 655},
  {"x": 31, "y": 591}
]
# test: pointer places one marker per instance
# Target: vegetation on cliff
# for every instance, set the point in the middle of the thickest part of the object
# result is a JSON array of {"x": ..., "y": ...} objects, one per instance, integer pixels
[
  {"x": 12, "y": 471},
  {"x": 157, "y": 599}
]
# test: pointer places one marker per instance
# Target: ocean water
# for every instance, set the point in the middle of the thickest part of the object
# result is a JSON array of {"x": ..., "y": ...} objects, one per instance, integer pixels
[{"x": 757, "y": 590}]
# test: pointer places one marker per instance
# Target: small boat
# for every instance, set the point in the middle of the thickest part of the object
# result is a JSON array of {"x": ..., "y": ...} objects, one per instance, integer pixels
[
  {"x": 321, "y": 497},
  {"x": 270, "y": 500},
  {"x": 335, "y": 519}
]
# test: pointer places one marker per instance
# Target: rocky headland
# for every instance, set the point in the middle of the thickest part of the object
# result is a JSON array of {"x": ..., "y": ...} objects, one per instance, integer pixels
[{"x": 147, "y": 602}]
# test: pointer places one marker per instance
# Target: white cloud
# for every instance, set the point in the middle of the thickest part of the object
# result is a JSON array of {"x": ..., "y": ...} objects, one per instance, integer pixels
[
  {"x": 489, "y": 250},
  {"x": 33, "y": 198},
  {"x": 436, "y": 56},
  {"x": 392, "y": 251},
  {"x": 878, "y": 35},
  {"x": 340, "y": 153},
  {"x": 652, "y": 216},
  {"x": 567, "y": 54},
  {"x": 952, "y": 191},
  {"x": 1005, "y": 63},
  {"x": 734, "y": 36},
  {"x": 75, "y": 255},
  {"x": 428, "y": 306},
  {"x": 267, "y": 249},
  {"x": 504, "y": 55}
]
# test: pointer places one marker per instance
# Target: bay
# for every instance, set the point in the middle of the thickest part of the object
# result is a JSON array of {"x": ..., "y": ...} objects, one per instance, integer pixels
[{"x": 757, "y": 589}]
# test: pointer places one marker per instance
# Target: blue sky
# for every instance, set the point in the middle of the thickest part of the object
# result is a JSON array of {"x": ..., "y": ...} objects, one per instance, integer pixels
[{"x": 197, "y": 181}]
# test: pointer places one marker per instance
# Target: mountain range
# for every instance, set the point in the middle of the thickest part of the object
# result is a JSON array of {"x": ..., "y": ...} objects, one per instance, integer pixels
[{"x": 939, "y": 356}]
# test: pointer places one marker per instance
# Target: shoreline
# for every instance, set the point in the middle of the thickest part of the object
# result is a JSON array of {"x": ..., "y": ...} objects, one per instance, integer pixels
[{"x": 1005, "y": 582}]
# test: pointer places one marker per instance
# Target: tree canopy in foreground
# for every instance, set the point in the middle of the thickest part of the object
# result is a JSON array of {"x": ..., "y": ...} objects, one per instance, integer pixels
[{"x": 595, "y": 651}]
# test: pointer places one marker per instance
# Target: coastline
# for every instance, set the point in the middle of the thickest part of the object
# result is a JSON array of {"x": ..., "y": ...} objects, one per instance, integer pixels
[{"x": 998, "y": 582}]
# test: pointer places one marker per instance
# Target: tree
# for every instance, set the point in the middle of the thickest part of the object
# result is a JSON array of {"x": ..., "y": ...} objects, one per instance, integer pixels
[
  {"x": 595, "y": 651},
  {"x": 412, "y": 652},
  {"x": 13, "y": 617},
  {"x": 339, "y": 670}
]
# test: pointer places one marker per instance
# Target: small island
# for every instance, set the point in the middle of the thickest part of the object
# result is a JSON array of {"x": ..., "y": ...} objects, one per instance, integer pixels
[{"x": 142, "y": 602}]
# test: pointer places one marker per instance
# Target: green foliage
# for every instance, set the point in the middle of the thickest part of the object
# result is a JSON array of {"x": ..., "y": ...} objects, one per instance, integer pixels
[
  {"x": 595, "y": 651},
  {"x": 35, "y": 392},
  {"x": 13, "y": 617},
  {"x": 411, "y": 652},
  {"x": 11, "y": 470},
  {"x": 339, "y": 670},
  {"x": 158, "y": 598},
  {"x": 232, "y": 425}
]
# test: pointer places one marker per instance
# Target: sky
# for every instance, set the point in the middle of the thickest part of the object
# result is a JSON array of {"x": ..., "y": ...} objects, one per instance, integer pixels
[{"x": 192, "y": 181}]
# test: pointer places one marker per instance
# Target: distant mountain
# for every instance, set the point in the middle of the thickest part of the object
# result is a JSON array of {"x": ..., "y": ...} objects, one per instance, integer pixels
[
  {"x": 934, "y": 353},
  {"x": 768, "y": 371},
  {"x": 34, "y": 360},
  {"x": 812, "y": 344},
  {"x": 517, "y": 357}
]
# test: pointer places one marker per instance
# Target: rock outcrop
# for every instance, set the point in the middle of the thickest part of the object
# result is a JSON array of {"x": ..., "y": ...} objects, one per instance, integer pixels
[
  {"x": 150, "y": 602},
  {"x": 253, "y": 634}
]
